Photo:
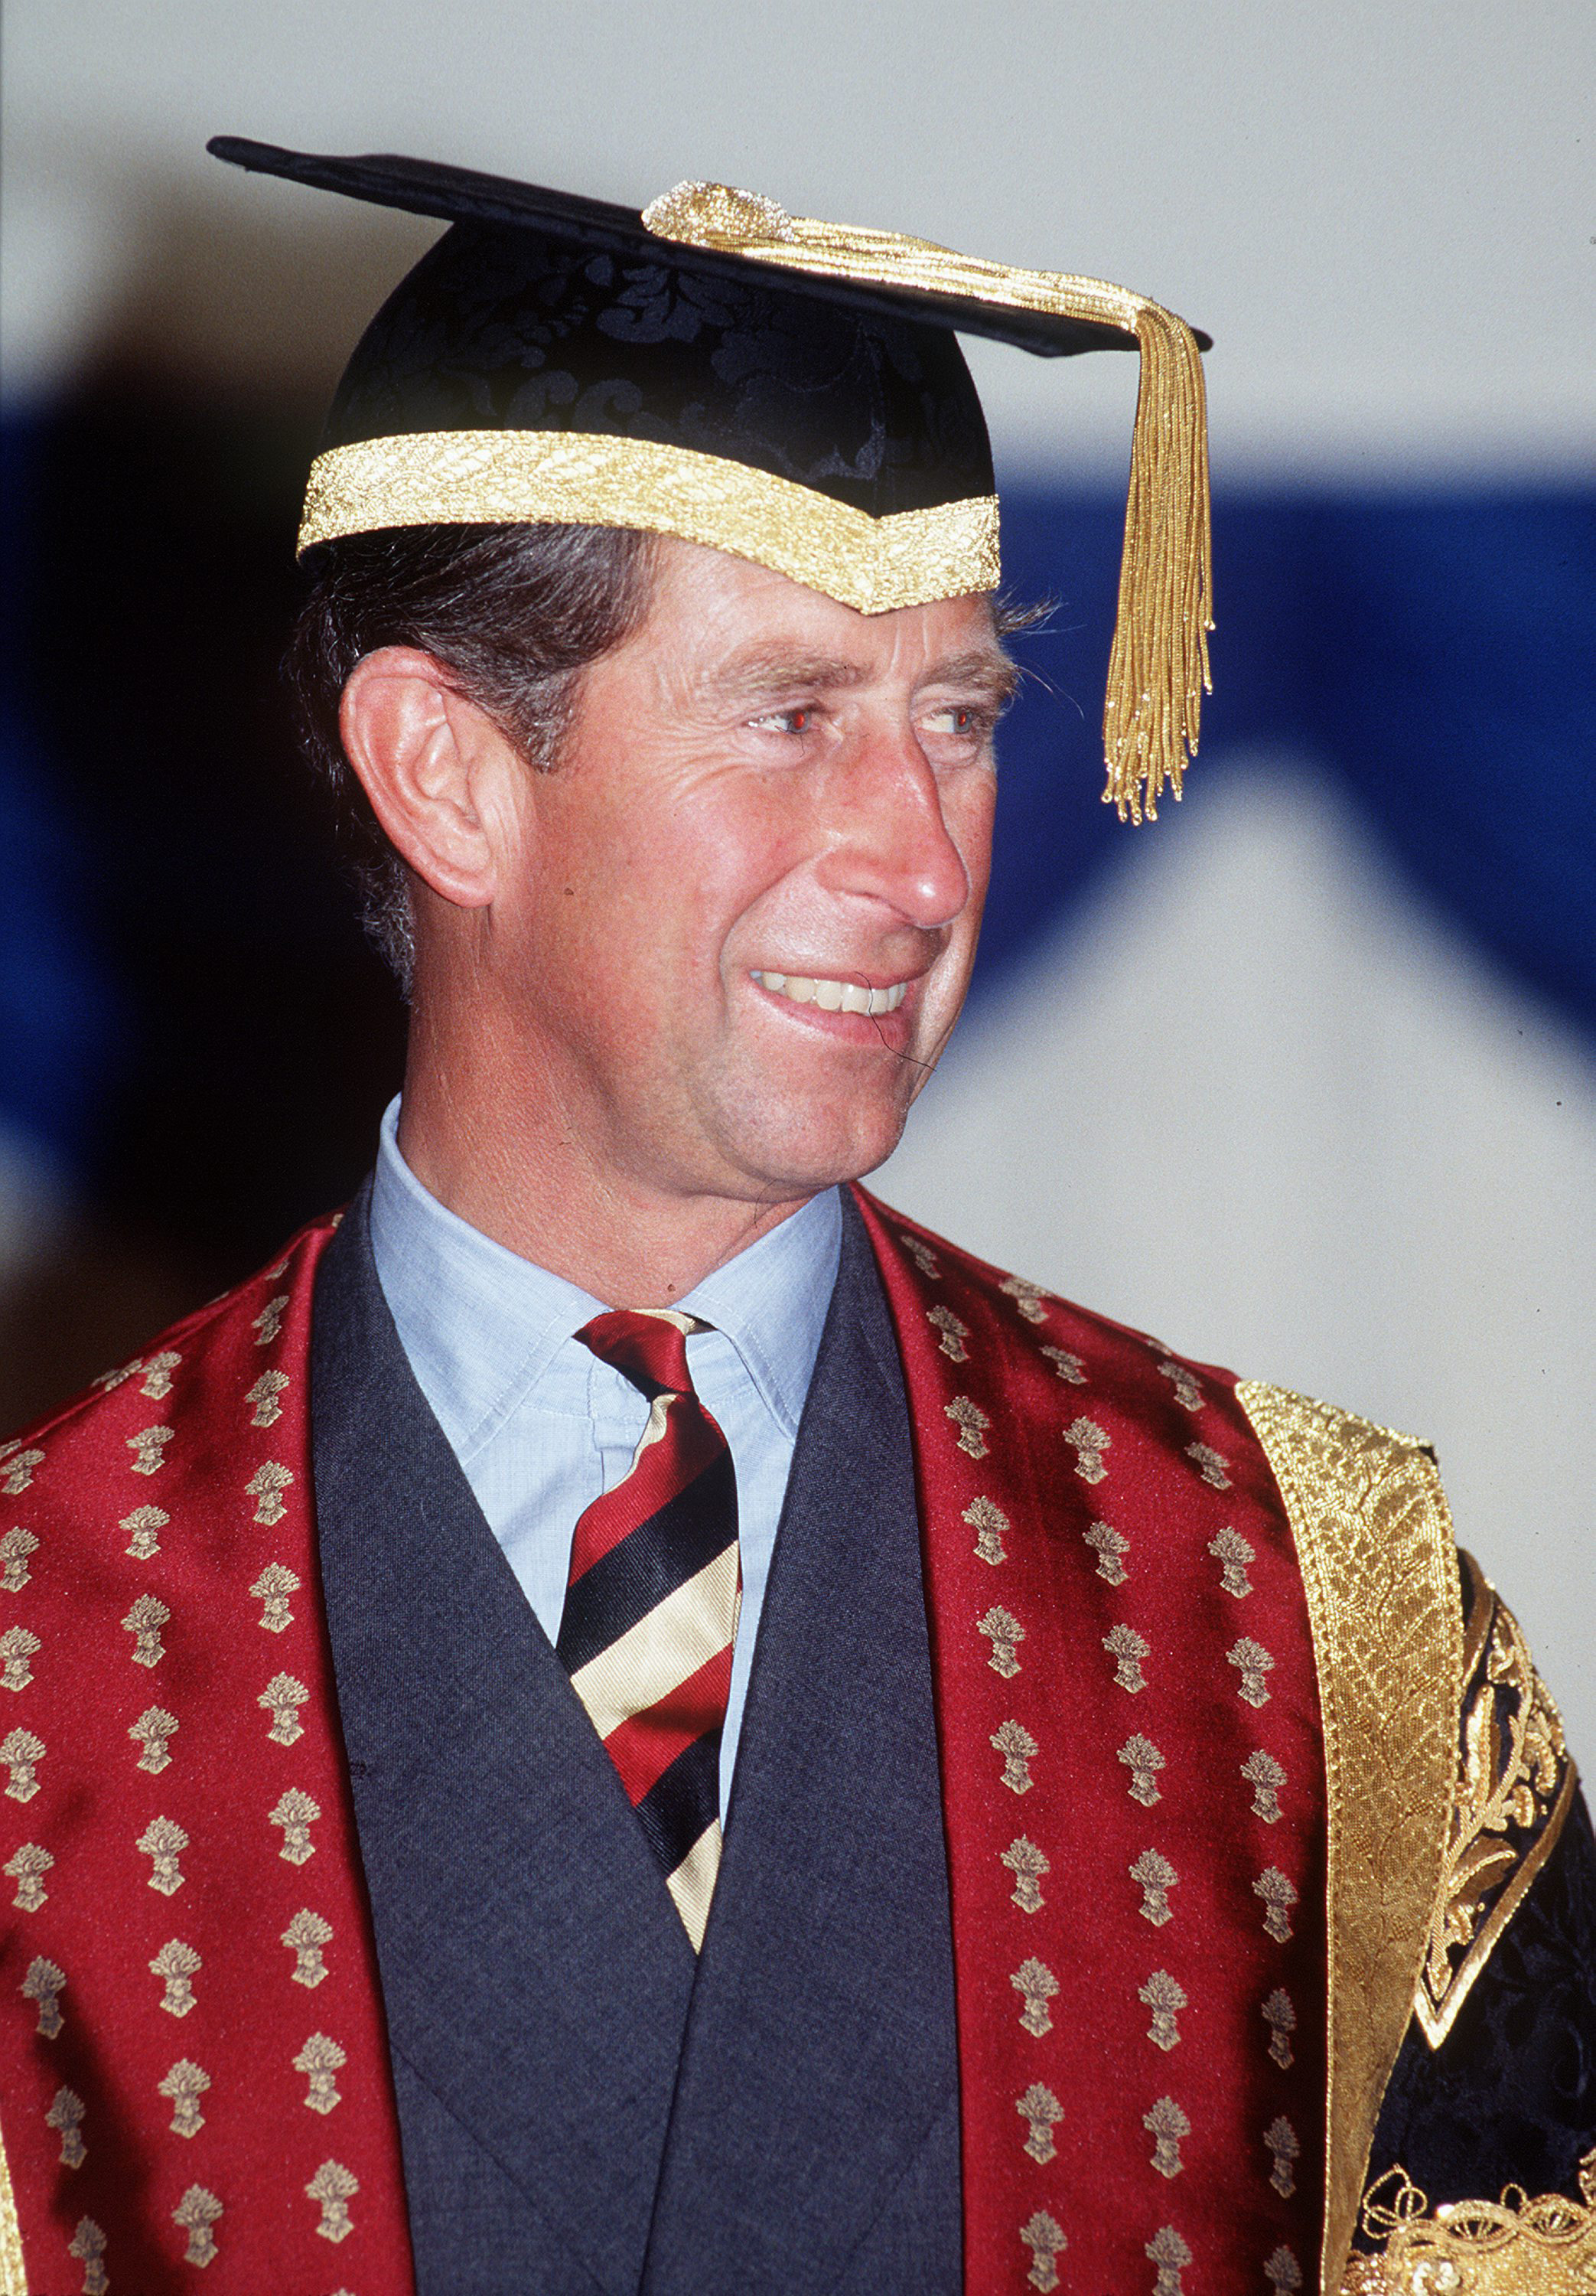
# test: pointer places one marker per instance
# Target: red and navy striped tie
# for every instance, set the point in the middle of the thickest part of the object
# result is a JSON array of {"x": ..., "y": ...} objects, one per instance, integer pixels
[{"x": 650, "y": 1608}]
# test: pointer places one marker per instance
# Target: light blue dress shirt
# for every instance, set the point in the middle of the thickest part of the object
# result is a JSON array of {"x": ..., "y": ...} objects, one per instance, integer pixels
[{"x": 541, "y": 1427}]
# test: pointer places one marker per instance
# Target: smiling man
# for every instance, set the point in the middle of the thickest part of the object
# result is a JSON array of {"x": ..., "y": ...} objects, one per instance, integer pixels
[{"x": 622, "y": 1718}]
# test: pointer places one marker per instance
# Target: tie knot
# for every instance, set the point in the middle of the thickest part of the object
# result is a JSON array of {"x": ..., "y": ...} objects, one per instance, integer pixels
[{"x": 650, "y": 1350}]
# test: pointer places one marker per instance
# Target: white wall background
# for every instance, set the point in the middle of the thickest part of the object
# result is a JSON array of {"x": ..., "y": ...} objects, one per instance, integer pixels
[{"x": 1254, "y": 1099}]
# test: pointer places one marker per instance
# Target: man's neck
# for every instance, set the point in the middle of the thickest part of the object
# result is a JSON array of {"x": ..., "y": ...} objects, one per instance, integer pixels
[{"x": 625, "y": 1243}]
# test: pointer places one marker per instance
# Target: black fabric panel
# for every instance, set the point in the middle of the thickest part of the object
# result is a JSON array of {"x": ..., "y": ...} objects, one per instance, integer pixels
[
  {"x": 516, "y": 329},
  {"x": 1509, "y": 2096}
]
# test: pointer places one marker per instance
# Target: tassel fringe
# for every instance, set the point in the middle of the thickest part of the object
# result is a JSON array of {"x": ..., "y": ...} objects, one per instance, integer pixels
[{"x": 1159, "y": 666}]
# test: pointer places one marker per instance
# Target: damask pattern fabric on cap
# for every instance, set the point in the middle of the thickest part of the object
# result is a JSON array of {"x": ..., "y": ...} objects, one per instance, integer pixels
[{"x": 509, "y": 329}]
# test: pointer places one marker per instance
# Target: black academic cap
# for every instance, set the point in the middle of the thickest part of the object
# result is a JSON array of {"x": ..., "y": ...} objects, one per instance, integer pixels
[{"x": 786, "y": 390}]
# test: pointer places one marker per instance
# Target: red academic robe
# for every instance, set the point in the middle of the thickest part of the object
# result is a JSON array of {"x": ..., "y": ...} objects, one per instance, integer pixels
[{"x": 1194, "y": 1822}]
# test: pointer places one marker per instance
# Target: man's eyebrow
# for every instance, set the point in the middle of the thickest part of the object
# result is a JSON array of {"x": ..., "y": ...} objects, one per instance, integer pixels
[{"x": 754, "y": 675}]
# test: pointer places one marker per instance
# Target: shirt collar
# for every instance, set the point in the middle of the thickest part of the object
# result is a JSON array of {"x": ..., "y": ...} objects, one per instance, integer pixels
[{"x": 481, "y": 1325}]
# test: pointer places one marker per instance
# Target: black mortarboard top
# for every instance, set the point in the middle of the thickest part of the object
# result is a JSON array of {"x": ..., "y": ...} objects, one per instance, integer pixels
[{"x": 786, "y": 390}]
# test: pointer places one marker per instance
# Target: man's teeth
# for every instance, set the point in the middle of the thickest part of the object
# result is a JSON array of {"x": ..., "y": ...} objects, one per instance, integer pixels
[{"x": 833, "y": 995}]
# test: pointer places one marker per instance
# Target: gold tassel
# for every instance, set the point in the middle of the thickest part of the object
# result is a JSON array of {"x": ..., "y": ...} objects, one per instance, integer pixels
[{"x": 1158, "y": 666}]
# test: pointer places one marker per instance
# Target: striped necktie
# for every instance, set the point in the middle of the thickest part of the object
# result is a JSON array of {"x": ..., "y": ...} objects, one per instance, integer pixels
[{"x": 650, "y": 1608}]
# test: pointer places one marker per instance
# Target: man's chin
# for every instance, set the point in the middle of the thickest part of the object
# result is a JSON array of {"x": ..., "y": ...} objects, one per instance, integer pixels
[{"x": 815, "y": 1156}]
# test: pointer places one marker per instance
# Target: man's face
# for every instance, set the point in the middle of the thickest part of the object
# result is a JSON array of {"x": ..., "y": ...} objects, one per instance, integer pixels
[{"x": 770, "y": 813}]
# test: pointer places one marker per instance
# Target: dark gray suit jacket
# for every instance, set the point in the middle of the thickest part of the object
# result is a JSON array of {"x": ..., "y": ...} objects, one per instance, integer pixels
[{"x": 584, "y": 2111}]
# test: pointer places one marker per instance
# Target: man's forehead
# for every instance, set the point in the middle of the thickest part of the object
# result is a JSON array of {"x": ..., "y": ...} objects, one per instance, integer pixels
[{"x": 732, "y": 626}]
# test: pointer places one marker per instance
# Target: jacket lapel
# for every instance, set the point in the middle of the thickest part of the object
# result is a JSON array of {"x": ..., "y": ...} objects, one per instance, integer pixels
[
  {"x": 820, "y": 2060},
  {"x": 534, "y": 1974}
]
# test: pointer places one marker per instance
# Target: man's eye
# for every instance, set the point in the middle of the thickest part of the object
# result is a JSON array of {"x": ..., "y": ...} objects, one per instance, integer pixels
[
  {"x": 961, "y": 719},
  {"x": 801, "y": 720}
]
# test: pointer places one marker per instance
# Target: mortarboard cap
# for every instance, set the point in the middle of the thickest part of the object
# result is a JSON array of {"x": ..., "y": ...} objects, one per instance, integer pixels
[{"x": 789, "y": 390}]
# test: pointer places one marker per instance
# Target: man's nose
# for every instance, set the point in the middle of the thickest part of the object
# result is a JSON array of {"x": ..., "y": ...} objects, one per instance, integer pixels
[{"x": 890, "y": 837}]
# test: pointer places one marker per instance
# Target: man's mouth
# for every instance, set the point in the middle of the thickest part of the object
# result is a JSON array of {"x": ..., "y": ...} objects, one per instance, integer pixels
[{"x": 832, "y": 995}]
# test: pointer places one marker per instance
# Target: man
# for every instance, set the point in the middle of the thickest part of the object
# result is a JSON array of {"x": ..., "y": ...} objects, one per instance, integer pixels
[{"x": 645, "y": 1725}]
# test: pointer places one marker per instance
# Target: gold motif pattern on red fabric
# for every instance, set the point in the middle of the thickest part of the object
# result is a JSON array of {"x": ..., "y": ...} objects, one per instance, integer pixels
[
  {"x": 177, "y": 1843},
  {"x": 1140, "y": 1970}
]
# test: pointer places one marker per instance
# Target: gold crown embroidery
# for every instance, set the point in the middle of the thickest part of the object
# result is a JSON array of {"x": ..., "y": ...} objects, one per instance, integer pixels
[
  {"x": 1004, "y": 1631},
  {"x": 1265, "y": 1777},
  {"x": 149, "y": 1449},
  {"x": 265, "y": 1486},
  {"x": 65, "y": 2116},
  {"x": 16, "y": 1647},
  {"x": 21, "y": 1751},
  {"x": 26, "y": 1867},
  {"x": 282, "y": 1698},
  {"x": 177, "y": 1964},
  {"x": 989, "y": 1523},
  {"x": 1143, "y": 1758},
  {"x": 1166, "y": 2124},
  {"x": 19, "y": 1470},
  {"x": 195, "y": 2214},
  {"x": 1127, "y": 1649},
  {"x": 972, "y": 1422},
  {"x": 319, "y": 2060},
  {"x": 184, "y": 2085},
  {"x": 1016, "y": 1746},
  {"x": 15, "y": 1548},
  {"x": 145, "y": 1622},
  {"x": 1280, "y": 2139},
  {"x": 44, "y": 1982},
  {"x": 296, "y": 1813},
  {"x": 163, "y": 1841},
  {"x": 1279, "y": 1895},
  {"x": 305, "y": 1937},
  {"x": 87, "y": 2245},
  {"x": 1165, "y": 1997},
  {"x": 1036, "y": 1985},
  {"x": 1044, "y": 2237},
  {"x": 1027, "y": 1864},
  {"x": 274, "y": 1586},
  {"x": 1171, "y": 2255},
  {"x": 1156, "y": 1877},
  {"x": 1041, "y": 2111},
  {"x": 1030, "y": 1298},
  {"x": 1232, "y": 1553},
  {"x": 1110, "y": 1547},
  {"x": 333, "y": 2187},
  {"x": 1069, "y": 1368},
  {"x": 153, "y": 1727},
  {"x": 1212, "y": 1465},
  {"x": 1252, "y": 1662},
  {"x": 143, "y": 1523},
  {"x": 1280, "y": 2018},
  {"x": 1089, "y": 1442},
  {"x": 263, "y": 1396},
  {"x": 1188, "y": 1394}
]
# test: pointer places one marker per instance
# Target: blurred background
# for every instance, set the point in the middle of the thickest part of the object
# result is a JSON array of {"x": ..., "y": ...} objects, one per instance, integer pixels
[{"x": 1303, "y": 1079}]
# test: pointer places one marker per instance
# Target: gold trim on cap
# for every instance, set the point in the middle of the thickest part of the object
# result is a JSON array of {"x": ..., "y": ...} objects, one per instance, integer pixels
[
  {"x": 1158, "y": 670},
  {"x": 490, "y": 478}
]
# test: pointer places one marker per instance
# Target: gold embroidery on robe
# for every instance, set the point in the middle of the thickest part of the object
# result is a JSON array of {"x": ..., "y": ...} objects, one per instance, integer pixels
[
  {"x": 1515, "y": 1785},
  {"x": 1516, "y": 2246},
  {"x": 1373, "y": 1539}
]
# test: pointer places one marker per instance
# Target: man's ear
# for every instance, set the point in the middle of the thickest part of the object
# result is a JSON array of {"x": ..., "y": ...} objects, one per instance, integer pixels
[{"x": 440, "y": 775}]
